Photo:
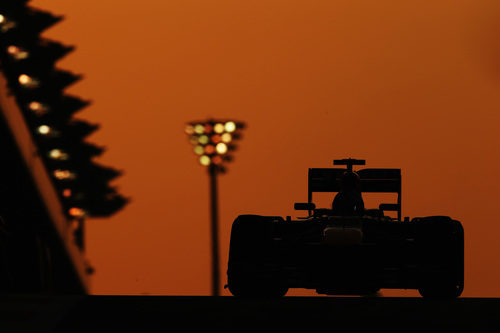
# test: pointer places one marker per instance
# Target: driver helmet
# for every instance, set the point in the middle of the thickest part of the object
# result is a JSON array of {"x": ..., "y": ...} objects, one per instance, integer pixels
[{"x": 350, "y": 181}]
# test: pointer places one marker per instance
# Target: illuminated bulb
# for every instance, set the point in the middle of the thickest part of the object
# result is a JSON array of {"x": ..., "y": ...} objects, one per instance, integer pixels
[
  {"x": 189, "y": 129},
  {"x": 5, "y": 24},
  {"x": 58, "y": 154},
  {"x": 217, "y": 160},
  {"x": 76, "y": 212},
  {"x": 203, "y": 139},
  {"x": 63, "y": 174},
  {"x": 17, "y": 52},
  {"x": 199, "y": 150},
  {"x": 199, "y": 129},
  {"x": 219, "y": 128},
  {"x": 66, "y": 193},
  {"x": 216, "y": 138},
  {"x": 230, "y": 126},
  {"x": 204, "y": 160},
  {"x": 193, "y": 139},
  {"x": 221, "y": 148},
  {"x": 226, "y": 137},
  {"x": 44, "y": 129},
  {"x": 27, "y": 81},
  {"x": 208, "y": 128},
  {"x": 38, "y": 108},
  {"x": 209, "y": 149},
  {"x": 24, "y": 79},
  {"x": 35, "y": 105}
]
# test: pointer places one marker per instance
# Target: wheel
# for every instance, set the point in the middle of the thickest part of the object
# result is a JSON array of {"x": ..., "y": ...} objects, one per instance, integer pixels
[
  {"x": 250, "y": 288},
  {"x": 440, "y": 242},
  {"x": 252, "y": 271},
  {"x": 445, "y": 290},
  {"x": 250, "y": 238}
]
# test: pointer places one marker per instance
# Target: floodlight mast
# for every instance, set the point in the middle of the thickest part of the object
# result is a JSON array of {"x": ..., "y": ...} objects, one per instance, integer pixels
[
  {"x": 213, "y": 141},
  {"x": 214, "y": 226}
]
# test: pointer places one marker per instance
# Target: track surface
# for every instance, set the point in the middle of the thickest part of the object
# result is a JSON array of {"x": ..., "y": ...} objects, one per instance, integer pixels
[{"x": 160, "y": 313}]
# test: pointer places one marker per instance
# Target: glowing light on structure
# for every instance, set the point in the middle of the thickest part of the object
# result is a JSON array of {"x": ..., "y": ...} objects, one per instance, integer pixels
[
  {"x": 217, "y": 160},
  {"x": 6, "y": 24},
  {"x": 209, "y": 149},
  {"x": 230, "y": 126},
  {"x": 24, "y": 79},
  {"x": 64, "y": 174},
  {"x": 58, "y": 154},
  {"x": 27, "y": 81},
  {"x": 219, "y": 128},
  {"x": 17, "y": 52},
  {"x": 67, "y": 193},
  {"x": 211, "y": 139},
  {"x": 194, "y": 140},
  {"x": 216, "y": 138},
  {"x": 199, "y": 128},
  {"x": 38, "y": 108},
  {"x": 76, "y": 212},
  {"x": 205, "y": 160},
  {"x": 226, "y": 137},
  {"x": 221, "y": 148},
  {"x": 199, "y": 150},
  {"x": 189, "y": 129},
  {"x": 44, "y": 129},
  {"x": 203, "y": 139}
]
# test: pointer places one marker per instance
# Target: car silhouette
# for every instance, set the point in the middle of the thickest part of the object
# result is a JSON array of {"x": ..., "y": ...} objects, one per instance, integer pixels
[{"x": 347, "y": 254}]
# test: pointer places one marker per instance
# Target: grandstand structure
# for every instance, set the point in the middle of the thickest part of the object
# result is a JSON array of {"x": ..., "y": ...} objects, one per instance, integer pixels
[{"x": 50, "y": 182}]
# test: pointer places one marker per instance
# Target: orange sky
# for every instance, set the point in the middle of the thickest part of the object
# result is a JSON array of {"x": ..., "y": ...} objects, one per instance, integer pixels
[{"x": 403, "y": 84}]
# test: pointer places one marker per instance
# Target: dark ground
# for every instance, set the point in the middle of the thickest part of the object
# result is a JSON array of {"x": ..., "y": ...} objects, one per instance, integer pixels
[{"x": 24, "y": 313}]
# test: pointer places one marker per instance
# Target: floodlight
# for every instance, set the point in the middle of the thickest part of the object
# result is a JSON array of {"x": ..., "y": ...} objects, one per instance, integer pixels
[
  {"x": 210, "y": 139},
  {"x": 221, "y": 148},
  {"x": 219, "y": 128},
  {"x": 230, "y": 126},
  {"x": 226, "y": 137}
]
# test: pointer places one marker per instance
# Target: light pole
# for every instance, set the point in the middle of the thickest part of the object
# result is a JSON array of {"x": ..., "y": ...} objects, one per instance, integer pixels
[{"x": 213, "y": 142}]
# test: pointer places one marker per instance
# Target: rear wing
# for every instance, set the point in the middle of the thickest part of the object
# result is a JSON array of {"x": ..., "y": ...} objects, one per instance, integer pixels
[{"x": 372, "y": 181}]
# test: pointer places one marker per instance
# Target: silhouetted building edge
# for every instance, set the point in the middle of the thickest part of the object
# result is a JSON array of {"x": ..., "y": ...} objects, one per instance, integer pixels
[{"x": 75, "y": 264}]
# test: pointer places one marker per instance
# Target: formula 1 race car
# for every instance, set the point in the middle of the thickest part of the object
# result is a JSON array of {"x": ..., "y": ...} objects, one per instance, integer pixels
[{"x": 349, "y": 251}]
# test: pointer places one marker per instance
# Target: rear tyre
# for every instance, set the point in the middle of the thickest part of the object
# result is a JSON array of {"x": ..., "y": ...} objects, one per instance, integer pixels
[
  {"x": 249, "y": 289},
  {"x": 441, "y": 257},
  {"x": 446, "y": 290},
  {"x": 251, "y": 269}
]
